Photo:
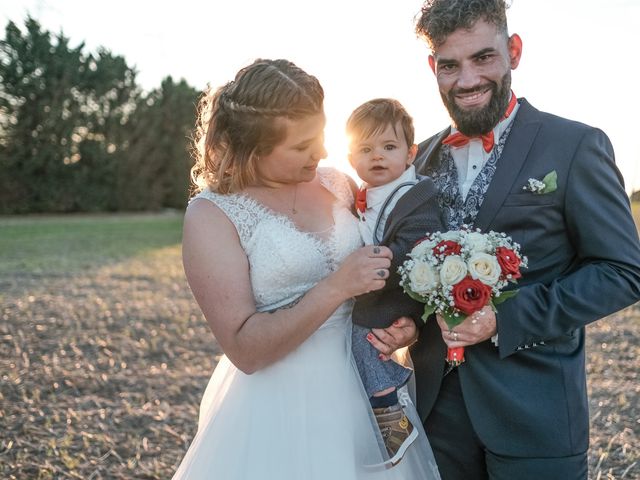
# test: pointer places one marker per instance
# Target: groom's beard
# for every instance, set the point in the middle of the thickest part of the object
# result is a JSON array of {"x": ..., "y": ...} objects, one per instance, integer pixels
[{"x": 479, "y": 120}]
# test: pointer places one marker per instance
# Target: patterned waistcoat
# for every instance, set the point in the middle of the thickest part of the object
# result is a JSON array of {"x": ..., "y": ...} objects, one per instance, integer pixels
[{"x": 456, "y": 210}]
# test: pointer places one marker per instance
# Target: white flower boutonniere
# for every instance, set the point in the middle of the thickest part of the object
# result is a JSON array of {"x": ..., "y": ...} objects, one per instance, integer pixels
[{"x": 547, "y": 185}]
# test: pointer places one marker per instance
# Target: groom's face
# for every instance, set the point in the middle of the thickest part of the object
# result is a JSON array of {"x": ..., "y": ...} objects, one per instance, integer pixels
[{"x": 473, "y": 70}]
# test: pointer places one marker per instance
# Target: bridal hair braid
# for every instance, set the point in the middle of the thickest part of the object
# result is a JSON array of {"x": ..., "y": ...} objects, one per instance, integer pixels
[
  {"x": 240, "y": 121},
  {"x": 440, "y": 18}
]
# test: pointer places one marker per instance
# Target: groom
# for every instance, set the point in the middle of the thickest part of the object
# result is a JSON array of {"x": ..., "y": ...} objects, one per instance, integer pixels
[{"x": 517, "y": 408}]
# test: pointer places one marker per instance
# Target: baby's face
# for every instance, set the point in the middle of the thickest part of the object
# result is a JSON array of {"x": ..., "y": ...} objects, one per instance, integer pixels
[{"x": 381, "y": 158}]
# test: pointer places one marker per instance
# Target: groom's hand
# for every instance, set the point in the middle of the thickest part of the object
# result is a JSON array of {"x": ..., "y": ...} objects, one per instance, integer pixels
[
  {"x": 402, "y": 333},
  {"x": 476, "y": 328}
]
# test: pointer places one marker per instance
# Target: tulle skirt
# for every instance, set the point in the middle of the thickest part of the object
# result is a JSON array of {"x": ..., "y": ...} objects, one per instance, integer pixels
[{"x": 305, "y": 417}]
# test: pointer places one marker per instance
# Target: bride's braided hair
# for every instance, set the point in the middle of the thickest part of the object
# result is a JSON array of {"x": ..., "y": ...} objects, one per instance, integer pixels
[{"x": 238, "y": 122}]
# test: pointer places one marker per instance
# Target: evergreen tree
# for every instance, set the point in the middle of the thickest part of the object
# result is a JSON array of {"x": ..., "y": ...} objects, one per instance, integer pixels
[
  {"x": 77, "y": 133},
  {"x": 156, "y": 173},
  {"x": 64, "y": 117}
]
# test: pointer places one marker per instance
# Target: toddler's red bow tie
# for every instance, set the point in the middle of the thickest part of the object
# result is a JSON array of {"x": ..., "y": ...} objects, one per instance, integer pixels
[
  {"x": 459, "y": 139},
  {"x": 361, "y": 200}
]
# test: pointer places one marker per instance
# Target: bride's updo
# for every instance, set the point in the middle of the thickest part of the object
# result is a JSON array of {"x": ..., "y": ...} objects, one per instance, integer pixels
[{"x": 239, "y": 122}]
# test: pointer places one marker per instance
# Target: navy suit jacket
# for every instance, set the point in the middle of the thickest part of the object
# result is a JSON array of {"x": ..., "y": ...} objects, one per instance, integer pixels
[{"x": 527, "y": 397}]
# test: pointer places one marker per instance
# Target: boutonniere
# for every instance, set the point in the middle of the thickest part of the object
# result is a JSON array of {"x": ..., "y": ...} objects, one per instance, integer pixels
[{"x": 547, "y": 185}]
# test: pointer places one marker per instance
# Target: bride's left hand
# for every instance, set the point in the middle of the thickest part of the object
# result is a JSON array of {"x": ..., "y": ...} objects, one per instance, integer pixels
[{"x": 402, "y": 333}]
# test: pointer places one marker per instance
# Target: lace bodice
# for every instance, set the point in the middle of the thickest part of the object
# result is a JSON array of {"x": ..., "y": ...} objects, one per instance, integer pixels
[{"x": 284, "y": 261}]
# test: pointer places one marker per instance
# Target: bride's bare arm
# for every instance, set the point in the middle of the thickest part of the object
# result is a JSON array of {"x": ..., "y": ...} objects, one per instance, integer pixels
[{"x": 217, "y": 270}]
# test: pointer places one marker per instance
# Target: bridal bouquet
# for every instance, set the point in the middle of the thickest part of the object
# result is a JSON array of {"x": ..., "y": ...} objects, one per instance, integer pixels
[{"x": 459, "y": 272}]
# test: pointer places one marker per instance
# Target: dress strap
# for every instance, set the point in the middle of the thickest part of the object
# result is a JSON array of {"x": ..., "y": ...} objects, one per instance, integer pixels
[
  {"x": 337, "y": 183},
  {"x": 241, "y": 210}
]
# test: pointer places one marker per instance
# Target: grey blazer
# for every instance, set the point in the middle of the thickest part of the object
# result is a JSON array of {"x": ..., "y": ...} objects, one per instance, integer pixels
[
  {"x": 416, "y": 214},
  {"x": 528, "y": 397}
]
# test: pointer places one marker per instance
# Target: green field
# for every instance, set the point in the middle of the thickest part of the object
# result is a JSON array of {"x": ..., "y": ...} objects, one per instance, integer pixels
[
  {"x": 67, "y": 244},
  {"x": 104, "y": 354}
]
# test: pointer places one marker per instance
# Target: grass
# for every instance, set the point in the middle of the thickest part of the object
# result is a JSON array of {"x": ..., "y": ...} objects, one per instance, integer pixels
[
  {"x": 36, "y": 245},
  {"x": 104, "y": 354},
  {"x": 635, "y": 208}
]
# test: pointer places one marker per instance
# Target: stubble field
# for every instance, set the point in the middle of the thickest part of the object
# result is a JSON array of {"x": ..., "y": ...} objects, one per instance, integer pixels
[{"x": 104, "y": 354}]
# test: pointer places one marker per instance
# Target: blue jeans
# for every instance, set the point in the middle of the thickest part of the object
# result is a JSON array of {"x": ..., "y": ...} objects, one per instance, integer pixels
[{"x": 377, "y": 375}]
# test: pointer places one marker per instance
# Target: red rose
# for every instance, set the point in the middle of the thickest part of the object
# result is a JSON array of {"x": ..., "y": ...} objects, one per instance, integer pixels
[
  {"x": 509, "y": 262},
  {"x": 446, "y": 248},
  {"x": 470, "y": 295}
]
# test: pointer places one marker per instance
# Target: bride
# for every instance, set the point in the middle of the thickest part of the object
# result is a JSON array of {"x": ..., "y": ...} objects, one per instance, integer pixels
[{"x": 273, "y": 256}]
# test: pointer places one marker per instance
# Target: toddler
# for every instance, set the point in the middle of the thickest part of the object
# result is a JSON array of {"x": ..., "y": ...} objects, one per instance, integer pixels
[{"x": 396, "y": 209}]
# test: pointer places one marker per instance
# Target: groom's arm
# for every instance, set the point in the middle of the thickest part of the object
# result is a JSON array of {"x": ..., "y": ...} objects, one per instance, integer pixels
[{"x": 607, "y": 253}]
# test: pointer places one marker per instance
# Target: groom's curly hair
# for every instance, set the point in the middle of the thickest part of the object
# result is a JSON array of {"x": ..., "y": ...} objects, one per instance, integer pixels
[{"x": 440, "y": 18}]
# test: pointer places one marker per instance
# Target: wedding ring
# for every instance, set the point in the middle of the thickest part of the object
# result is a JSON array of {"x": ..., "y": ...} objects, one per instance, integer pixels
[
  {"x": 381, "y": 273},
  {"x": 474, "y": 320},
  {"x": 455, "y": 336},
  {"x": 376, "y": 250}
]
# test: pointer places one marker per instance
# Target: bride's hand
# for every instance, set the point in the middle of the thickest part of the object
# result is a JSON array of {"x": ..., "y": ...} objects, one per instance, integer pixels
[
  {"x": 402, "y": 333},
  {"x": 365, "y": 270}
]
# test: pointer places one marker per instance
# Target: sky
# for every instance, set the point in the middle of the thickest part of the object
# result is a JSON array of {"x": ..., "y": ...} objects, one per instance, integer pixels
[{"x": 579, "y": 57}]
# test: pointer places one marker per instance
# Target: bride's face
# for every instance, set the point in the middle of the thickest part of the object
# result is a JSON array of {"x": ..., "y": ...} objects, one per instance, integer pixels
[{"x": 296, "y": 158}]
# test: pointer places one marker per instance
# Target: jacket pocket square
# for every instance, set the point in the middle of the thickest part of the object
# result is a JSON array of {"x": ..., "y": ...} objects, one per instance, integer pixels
[{"x": 539, "y": 187}]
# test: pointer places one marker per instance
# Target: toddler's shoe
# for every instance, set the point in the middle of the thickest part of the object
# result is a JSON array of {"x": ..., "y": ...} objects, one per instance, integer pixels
[{"x": 396, "y": 429}]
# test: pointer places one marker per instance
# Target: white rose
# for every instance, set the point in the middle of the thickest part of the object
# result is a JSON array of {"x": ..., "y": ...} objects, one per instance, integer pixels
[
  {"x": 422, "y": 278},
  {"x": 423, "y": 249},
  {"x": 454, "y": 235},
  {"x": 453, "y": 270},
  {"x": 484, "y": 267},
  {"x": 477, "y": 242}
]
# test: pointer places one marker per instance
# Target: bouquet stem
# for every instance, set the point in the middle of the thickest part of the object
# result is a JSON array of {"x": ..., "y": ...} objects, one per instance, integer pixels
[{"x": 455, "y": 356}]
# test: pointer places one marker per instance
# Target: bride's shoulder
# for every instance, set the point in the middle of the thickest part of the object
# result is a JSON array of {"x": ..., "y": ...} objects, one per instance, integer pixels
[
  {"x": 232, "y": 204},
  {"x": 206, "y": 208},
  {"x": 236, "y": 209}
]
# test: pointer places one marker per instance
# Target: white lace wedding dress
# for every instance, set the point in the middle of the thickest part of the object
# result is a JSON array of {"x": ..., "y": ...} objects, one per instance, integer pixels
[{"x": 305, "y": 417}]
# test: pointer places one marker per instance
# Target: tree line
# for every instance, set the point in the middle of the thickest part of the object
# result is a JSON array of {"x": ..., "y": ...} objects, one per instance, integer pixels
[{"x": 77, "y": 134}]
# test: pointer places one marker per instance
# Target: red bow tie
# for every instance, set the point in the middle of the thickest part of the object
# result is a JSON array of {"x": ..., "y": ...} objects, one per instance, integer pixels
[
  {"x": 459, "y": 139},
  {"x": 361, "y": 200}
]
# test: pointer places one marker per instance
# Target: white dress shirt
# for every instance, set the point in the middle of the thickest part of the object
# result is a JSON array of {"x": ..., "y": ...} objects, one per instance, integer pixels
[
  {"x": 471, "y": 158},
  {"x": 376, "y": 197}
]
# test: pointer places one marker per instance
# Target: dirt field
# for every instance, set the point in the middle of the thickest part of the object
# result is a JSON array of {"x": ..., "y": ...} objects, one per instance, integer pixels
[{"x": 104, "y": 356}]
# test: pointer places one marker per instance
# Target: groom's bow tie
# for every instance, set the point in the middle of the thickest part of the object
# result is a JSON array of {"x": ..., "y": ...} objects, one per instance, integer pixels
[
  {"x": 459, "y": 139},
  {"x": 361, "y": 200}
]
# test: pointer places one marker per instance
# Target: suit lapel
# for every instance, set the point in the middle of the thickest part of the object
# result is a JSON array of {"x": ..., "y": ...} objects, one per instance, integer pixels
[
  {"x": 514, "y": 155},
  {"x": 429, "y": 150}
]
